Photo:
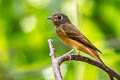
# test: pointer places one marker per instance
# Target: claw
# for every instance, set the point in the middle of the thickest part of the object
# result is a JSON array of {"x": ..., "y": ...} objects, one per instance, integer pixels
[
  {"x": 79, "y": 52},
  {"x": 68, "y": 53}
]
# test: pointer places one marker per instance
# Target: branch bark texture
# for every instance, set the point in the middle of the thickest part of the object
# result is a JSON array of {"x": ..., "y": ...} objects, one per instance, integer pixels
[{"x": 56, "y": 62}]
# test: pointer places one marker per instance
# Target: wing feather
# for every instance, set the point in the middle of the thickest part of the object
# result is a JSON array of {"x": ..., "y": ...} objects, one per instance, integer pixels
[{"x": 75, "y": 34}]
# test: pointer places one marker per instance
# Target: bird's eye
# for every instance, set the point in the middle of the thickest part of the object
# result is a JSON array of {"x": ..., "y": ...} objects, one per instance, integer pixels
[{"x": 59, "y": 17}]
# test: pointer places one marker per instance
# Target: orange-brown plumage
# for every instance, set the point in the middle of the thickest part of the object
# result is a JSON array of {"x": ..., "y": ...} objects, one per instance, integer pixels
[{"x": 71, "y": 36}]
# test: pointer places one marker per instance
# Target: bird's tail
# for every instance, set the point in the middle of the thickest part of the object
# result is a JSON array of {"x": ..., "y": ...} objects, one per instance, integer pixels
[{"x": 95, "y": 55}]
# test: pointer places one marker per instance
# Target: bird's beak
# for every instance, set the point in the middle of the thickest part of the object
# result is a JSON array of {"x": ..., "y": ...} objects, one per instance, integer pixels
[{"x": 49, "y": 18}]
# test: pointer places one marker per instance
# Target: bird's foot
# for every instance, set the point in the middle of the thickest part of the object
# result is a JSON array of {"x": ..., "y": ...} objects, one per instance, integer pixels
[
  {"x": 79, "y": 52},
  {"x": 68, "y": 53}
]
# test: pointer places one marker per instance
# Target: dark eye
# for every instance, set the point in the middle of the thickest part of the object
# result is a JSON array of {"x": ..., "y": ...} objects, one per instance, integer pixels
[{"x": 59, "y": 17}]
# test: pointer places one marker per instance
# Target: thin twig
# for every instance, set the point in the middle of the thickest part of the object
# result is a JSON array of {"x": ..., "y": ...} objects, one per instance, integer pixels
[{"x": 56, "y": 62}]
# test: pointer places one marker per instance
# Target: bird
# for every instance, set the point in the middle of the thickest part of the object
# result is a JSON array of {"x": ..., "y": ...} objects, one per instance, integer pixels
[{"x": 71, "y": 35}]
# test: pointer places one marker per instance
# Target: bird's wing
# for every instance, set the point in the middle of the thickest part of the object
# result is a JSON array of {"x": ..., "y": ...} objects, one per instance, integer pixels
[{"x": 73, "y": 33}]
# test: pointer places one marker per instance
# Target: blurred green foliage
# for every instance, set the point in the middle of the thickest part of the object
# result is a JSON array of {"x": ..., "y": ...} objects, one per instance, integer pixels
[{"x": 24, "y": 31}]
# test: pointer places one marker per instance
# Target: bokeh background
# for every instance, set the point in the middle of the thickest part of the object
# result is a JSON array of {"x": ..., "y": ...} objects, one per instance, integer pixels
[{"x": 24, "y": 31}]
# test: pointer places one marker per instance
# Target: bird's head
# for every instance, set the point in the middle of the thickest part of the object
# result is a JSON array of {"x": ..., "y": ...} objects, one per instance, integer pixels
[{"x": 59, "y": 18}]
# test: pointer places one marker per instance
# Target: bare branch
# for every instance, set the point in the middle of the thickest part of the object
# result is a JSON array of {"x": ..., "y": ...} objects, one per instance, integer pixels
[
  {"x": 61, "y": 59},
  {"x": 56, "y": 67}
]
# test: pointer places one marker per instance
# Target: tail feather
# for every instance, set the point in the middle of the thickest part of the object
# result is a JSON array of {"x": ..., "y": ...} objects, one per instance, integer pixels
[{"x": 95, "y": 55}]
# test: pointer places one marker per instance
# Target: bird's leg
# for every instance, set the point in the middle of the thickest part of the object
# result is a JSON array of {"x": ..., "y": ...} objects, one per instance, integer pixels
[
  {"x": 68, "y": 53},
  {"x": 79, "y": 52}
]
